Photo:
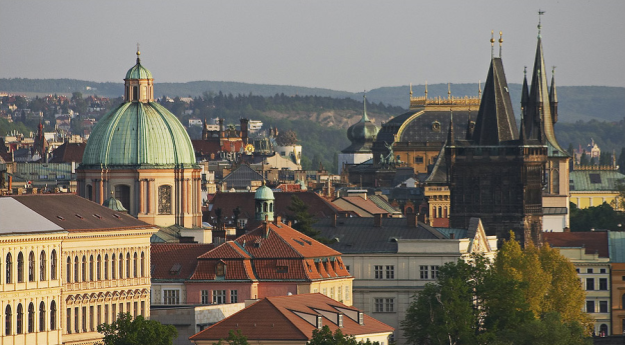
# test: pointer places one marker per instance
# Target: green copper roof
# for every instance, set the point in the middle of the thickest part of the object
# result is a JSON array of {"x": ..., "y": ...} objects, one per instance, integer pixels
[
  {"x": 140, "y": 135},
  {"x": 264, "y": 193},
  {"x": 114, "y": 204},
  {"x": 138, "y": 72}
]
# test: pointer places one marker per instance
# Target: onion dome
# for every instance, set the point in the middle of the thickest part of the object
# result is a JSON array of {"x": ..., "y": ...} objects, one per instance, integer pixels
[
  {"x": 138, "y": 133},
  {"x": 362, "y": 134},
  {"x": 264, "y": 193}
]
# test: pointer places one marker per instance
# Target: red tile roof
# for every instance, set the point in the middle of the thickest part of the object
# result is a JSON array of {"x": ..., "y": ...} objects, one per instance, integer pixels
[
  {"x": 594, "y": 242},
  {"x": 176, "y": 260},
  {"x": 292, "y": 318},
  {"x": 283, "y": 254},
  {"x": 363, "y": 204},
  {"x": 68, "y": 152}
]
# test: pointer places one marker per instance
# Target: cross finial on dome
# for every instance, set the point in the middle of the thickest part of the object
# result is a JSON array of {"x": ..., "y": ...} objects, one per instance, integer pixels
[
  {"x": 138, "y": 53},
  {"x": 365, "y": 118}
]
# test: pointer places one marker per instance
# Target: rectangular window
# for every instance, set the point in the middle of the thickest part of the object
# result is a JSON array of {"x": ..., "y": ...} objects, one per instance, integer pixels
[
  {"x": 135, "y": 309},
  {"x": 603, "y": 283},
  {"x": 423, "y": 270},
  {"x": 219, "y": 296},
  {"x": 589, "y": 270},
  {"x": 577, "y": 270},
  {"x": 603, "y": 306},
  {"x": 68, "y": 322},
  {"x": 602, "y": 270},
  {"x": 379, "y": 271},
  {"x": 347, "y": 293},
  {"x": 332, "y": 292},
  {"x": 106, "y": 313},
  {"x": 434, "y": 271},
  {"x": 418, "y": 159},
  {"x": 384, "y": 305},
  {"x": 99, "y": 314},
  {"x": 390, "y": 272},
  {"x": 142, "y": 308},
  {"x": 325, "y": 291},
  {"x": 170, "y": 297},
  {"x": 234, "y": 296},
  {"x": 339, "y": 296},
  {"x": 113, "y": 313},
  {"x": 204, "y": 297},
  {"x": 91, "y": 321},
  {"x": 590, "y": 306},
  {"x": 590, "y": 283},
  {"x": 76, "y": 320},
  {"x": 348, "y": 269},
  {"x": 84, "y": 319}
]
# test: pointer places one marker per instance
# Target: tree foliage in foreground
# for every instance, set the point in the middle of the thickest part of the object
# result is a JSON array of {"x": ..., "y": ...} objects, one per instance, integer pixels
[
  {"x": 324, "y": 336},
  {"x": 138, "y": 331},
  {"x": 517, "y": 299},
  {"x": 234, "y": 338}
]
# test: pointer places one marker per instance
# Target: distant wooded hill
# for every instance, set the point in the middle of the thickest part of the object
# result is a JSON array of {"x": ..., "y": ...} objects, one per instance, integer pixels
[{"x": 575, "y": 102}]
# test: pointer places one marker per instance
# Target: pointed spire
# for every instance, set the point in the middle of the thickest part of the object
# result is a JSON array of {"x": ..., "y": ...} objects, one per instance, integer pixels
[
  {"x": 450, "y": 133},
  {"x": 522, "y": 136},
  {"x": 364, "y": 106},
  {"x": 492, "y": 44},
  {"x": 553, "y": 96},
  {"x": 500, "y": 42},
  {"x": 524, "y": 90}
]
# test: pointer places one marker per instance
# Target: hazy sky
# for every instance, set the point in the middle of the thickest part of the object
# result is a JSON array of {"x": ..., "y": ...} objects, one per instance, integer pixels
[{"x": 342, "y": 45}]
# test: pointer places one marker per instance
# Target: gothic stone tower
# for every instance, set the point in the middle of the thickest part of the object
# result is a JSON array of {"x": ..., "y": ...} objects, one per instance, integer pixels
[{"x": 493, "y": 175}]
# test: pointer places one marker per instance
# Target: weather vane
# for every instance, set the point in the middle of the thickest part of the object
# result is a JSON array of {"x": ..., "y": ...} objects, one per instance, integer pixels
[{"x": 540, "y": 13}]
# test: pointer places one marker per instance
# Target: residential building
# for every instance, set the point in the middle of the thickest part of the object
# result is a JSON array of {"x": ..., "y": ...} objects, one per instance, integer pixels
[
  {"x": 391, "y": 259},
  {"x": 593, "y": 185},
  {"x": 292, "y": 320}
]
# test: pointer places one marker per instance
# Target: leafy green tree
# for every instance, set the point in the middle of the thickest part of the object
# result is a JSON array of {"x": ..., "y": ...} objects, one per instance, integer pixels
[
  {"x": 324, "y": 336},
  {"x": 597, "y": 217},
  {"x": 138, "y": 331},
  {"x": 302, "y": 219},
  {"x": 549, "y": 330},
  {"x": 583, "y": 159},
  {"x": 234, "y": 338}
]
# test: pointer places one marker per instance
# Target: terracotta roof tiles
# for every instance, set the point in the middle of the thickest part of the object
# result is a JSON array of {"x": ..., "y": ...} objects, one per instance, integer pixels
[
  {"x": 165, "y": 256},
  {"x": 594, "y": 242}
]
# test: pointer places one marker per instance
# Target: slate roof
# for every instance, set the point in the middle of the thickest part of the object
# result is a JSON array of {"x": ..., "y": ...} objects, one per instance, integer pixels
[
  {"x": 317, "y": 206},
  {"x": 68, "y": 153},
  {"x": 420, "y": 129},
  {"x": 175, "y": 261},
  {"x": 359, "y": 235},
  {"x": 593, "y": 242},
  {"x": 242, "y": 177},
  {"x": 292, "y": 318},
  {"x": 383, "y": 203},
  {"x": 359, "y": 204},
  {"x": 594, "y": 180},
  {"x": 74, "y": 213},
  {"x": 256, "y": 256}
]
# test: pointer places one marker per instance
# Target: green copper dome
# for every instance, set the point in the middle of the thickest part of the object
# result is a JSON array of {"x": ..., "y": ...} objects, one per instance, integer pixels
[
  {"x": 263, "y": 193},
  {"x": 140, "y": 135},
  {"x": 138, "y": 72}
]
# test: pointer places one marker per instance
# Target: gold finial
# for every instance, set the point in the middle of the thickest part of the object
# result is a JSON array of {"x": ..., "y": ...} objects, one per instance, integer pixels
[
  {"x": 492, "y": 44},
  {"x": 426, "y": 89},
  {"x": 448, "y": 90},
  {"x": 138, "y": 53},
  {"x": 500, "y": 42},
  {"x": 410, "y": 89}
]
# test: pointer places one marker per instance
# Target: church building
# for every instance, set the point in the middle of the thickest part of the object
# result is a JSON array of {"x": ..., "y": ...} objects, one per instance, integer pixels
[{"x": 141, "y": 153}]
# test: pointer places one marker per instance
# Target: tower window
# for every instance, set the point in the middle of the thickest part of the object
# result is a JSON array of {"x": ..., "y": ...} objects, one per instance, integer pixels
[
  {"x": 135, "y": 93},
  {"x": 164, "y": 199}
]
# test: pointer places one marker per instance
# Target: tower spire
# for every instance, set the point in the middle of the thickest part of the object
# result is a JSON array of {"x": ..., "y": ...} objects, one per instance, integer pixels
[
  {"x": 553, "y": 96},
  {"x": 540, "y": 13},
  {"x": 500, "y": 42},
  {"x": 479, "y": 89},
  {"x": 364, "y": 106}
]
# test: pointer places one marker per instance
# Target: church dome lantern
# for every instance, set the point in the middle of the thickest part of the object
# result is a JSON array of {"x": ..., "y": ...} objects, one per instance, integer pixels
[{"x": 263, "y": 200}]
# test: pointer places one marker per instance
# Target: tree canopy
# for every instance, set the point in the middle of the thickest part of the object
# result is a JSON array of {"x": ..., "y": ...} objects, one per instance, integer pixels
[
  {"x": 138, "y": 331},
  {"x": 234, "y": 338},
  {"x": 479, "y": 302},
  {"x": 324, "y": 336}
]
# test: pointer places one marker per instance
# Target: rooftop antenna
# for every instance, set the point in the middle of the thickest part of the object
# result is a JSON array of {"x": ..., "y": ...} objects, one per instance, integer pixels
[
  {"x": 540, "y": 13},
  {"x": 500, "y": 42},
  {"x": 492, "y": 44}
]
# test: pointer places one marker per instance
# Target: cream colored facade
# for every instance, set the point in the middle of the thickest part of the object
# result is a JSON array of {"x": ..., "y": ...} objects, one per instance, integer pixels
[
  {"x": 30, "y": 288},
  {"x": 162, "y": 197},
  {"x": 385, "y": 283},
  {"x": 338, "y": 289},
  {"x": 104, "y": 273}
]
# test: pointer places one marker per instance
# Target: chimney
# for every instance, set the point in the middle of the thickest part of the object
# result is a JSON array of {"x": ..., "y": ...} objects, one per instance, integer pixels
[
  {"x": 334, "y": 220},
  {"x": 265, "y": 228},
  {"x": 412, "y": 220},
  {"x": 567, "y": 229},
  {"x": 377, "y": 220},
  {"x": 244, "y": 130},
  {"x": 278, "y": 220},
  {"x": 289, "y": 223},
  {"x": 221, "y": 128}
]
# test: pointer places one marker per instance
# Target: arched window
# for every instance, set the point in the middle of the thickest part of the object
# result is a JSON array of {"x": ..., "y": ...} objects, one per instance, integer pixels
[
  {"x": 91, "y": 268},
  {"x": 31, "y": 267},
  {"x": 53, "y": 315},
  {"x": 53, "y": 265},
  {"x": 76, "y": 270},
  {"x": 445, "y": 212},
  {"x": 164, "y": 199},
  {"x": 84, "y": 268},
  {"x": 9, "y": 273},
  {"x": 135, "y": 262},
  {"x": 271, "y": 207},
  {"x": 142, "y": 264},
  {"x": 31, "y": 318},
  {"x": 113, "y": 266},
  {"x": 122, "y": 193},
  {"x": 264, "y": 207},
  {"x": 89, "y": 195},
  {"x": 135, "y": 93},
  {"x": 121, "y": 266},
  {"x": 127, "y": 265},
  {"x": 42, "y": 317},
  {"x": 8, "y": 318},
  {"x": 440, "y": 212},
  {"x": 98, "y": 268},
  {"x": 42, "y": 266},
  {"x": 603, "y": 330},
  {"x": 20, "y": 267},
  {"x": 20, "y": 319},
  {"x": 106, "y": 266}
]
